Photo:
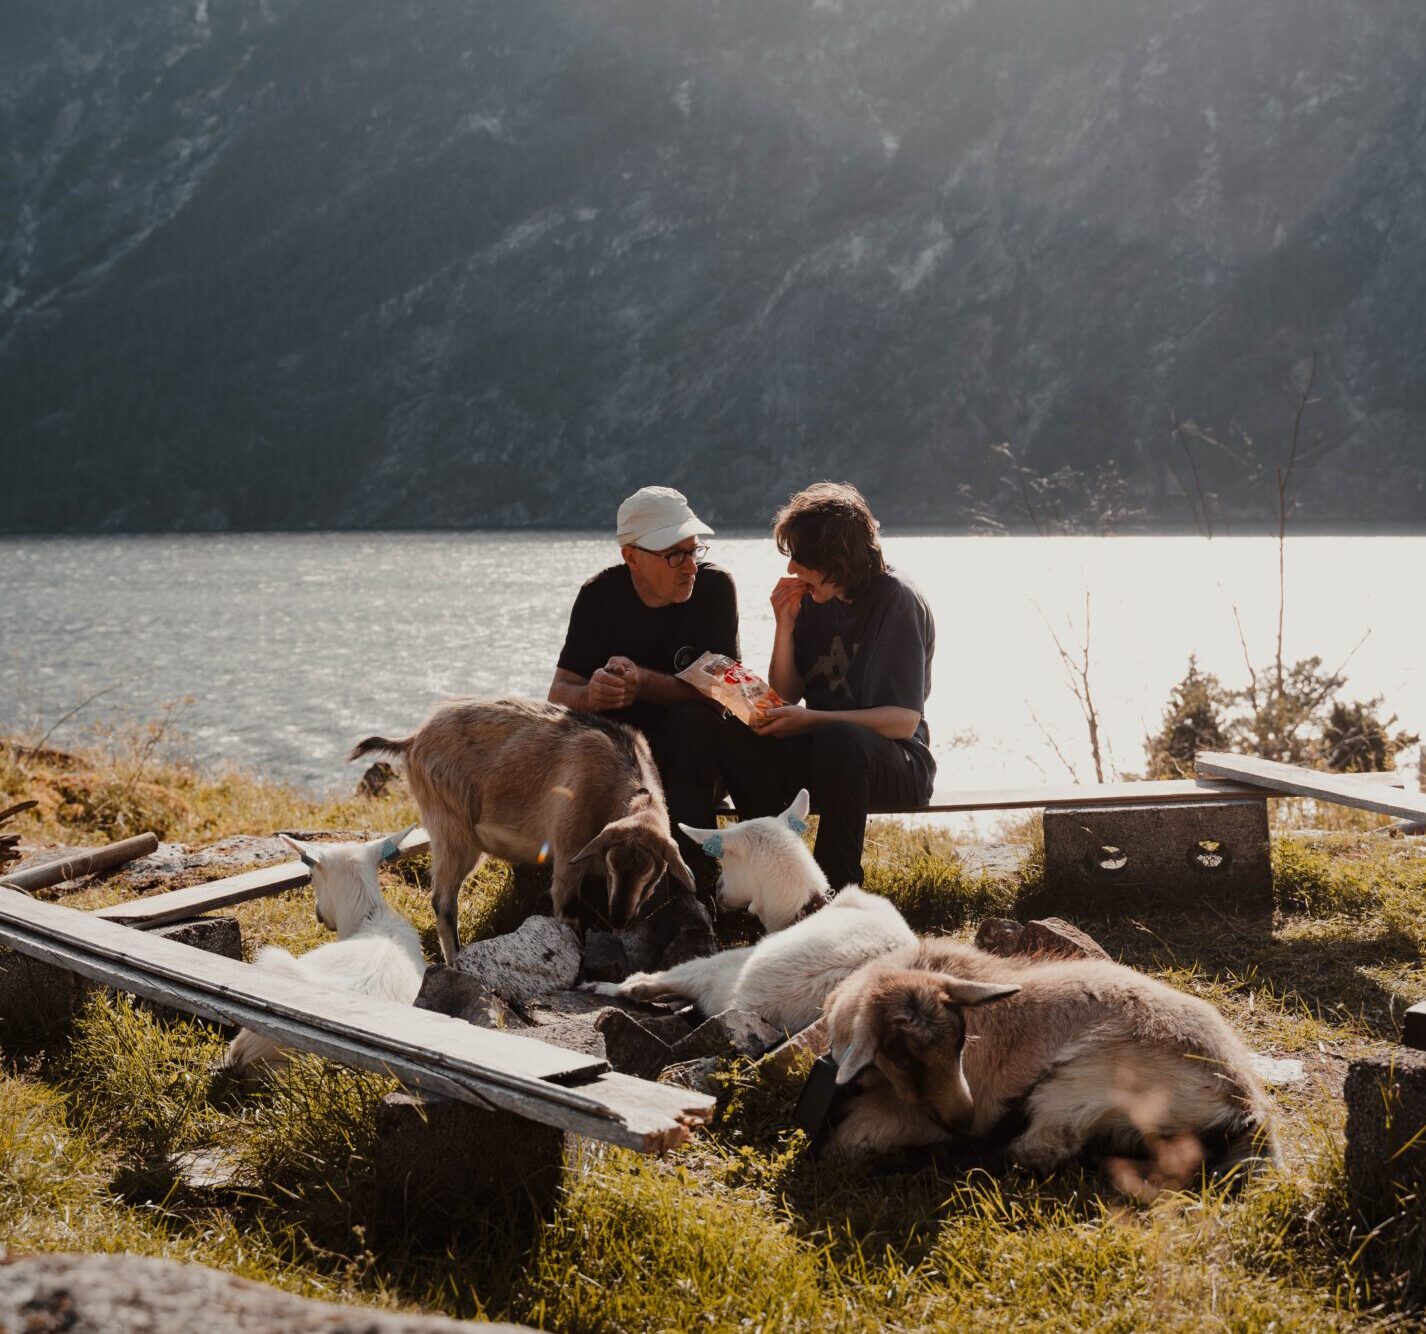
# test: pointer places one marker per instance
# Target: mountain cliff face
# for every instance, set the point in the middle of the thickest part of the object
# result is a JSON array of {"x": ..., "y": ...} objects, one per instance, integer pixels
[{"x": 286, "y": 263}]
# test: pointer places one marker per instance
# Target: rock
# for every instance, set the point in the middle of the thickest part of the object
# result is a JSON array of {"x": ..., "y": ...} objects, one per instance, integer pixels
[
  {"x": 672, "y": 929},
  {"x": 133, "y": 1294},
  {"x": 696, "y": 1075},
  {"x": 210, "y": 1168},
  {"x": 998, "y": 935},
  {"x": 1055, "y": 936},
  {"x": 604, "y": 957},
  {"x": 733, "y": 1032},
  {"x": 1386, "y": 1130},
  {"x": 1277, "y": 1071},
  {"x": 788, "y": 1061},
  {"x": 540, "y": 956},
  {"x": 450, "y": 991},
  {"x": 1047, "y": 936},
  {"x": 630, "y": 1048}
]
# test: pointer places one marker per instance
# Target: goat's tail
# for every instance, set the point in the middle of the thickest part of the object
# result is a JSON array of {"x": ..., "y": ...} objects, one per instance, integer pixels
[{"x": 379, "y": 745}]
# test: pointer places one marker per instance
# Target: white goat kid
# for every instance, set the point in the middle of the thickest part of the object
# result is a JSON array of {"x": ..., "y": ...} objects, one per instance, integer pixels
[
  {"x": 765, "y": 867},
  {"x": 377, "y": 951},
  {"x": 787, "y": 976}
]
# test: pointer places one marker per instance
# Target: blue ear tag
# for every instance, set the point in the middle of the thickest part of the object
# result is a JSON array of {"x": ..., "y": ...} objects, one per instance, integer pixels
[
  {"x": 389, "y": 850},
  {"x": 713, "y": 845},
  {"x": 797, "y": 826}
]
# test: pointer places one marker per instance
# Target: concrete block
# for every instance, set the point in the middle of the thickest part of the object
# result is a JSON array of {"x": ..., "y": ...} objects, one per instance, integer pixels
[
  {"x": 216, "y": 935},
  {"x": 37, "y": 1002},
  {"x": 439, "y": 1159},
  {"x": 1169, "y": 856},
  {"x": 1386, "y": 1131}
]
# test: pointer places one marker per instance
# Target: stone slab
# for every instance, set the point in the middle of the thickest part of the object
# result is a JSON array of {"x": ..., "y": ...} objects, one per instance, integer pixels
[
  {"x": 541, "y": 955},
  {"x": 1386, "y": 1130},
  {"x": 1162, "y": 857}
]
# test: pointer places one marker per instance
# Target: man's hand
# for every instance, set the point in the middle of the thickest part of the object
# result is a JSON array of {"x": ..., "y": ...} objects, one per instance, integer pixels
[
  {"x": 786, "y": 601},
  {"x": 615, "y": 685},
  {"x": 786, "y": 720}
]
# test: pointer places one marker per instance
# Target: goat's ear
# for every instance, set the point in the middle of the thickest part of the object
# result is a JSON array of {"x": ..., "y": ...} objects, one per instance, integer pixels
[
  {"x": 954, "y": 991},
  {"x": 795, "y": 816},
  {"x": 704, "y": 838},
  {"x": 678, "y": 868},
  {"x": 389, "y": 849},
  {"x": 855, "y": 1059},
  {"x": 305, "y": 851},
  {"x": 596, "y": 845}
]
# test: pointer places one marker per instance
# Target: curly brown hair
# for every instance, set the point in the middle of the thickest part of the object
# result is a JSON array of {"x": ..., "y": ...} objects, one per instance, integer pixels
[{"x": 829, "y": 527}]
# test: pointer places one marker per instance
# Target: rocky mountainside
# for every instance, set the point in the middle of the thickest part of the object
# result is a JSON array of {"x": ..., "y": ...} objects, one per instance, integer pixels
[{"x": 290, "y": 263}]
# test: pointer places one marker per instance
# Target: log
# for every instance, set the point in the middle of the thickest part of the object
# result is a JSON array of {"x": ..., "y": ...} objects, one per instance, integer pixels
[{"x": 81, "y": 864}]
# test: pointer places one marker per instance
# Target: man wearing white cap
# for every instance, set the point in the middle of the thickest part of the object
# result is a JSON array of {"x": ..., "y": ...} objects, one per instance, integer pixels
[{"x": 636, "y": 623}]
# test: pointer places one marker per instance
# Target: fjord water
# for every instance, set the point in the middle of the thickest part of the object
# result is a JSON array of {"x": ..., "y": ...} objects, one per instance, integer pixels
[{"x": 294, "y": 646}]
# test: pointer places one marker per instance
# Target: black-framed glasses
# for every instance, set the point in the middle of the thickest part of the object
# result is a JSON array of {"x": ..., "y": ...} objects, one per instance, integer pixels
[{"x": 676, "y": 557}]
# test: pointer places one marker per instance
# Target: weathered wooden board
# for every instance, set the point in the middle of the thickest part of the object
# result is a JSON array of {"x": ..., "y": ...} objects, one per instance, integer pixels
[
  {"x": 176, "y": 905},
  {"x": 1292, "y": 780},
  {"x": 86, "y": 862},
  {"x": 424, "y": 1049}
]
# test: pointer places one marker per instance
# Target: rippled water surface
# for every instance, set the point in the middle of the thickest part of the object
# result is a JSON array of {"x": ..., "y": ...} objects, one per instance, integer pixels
[{"x": 295, "y": 646}]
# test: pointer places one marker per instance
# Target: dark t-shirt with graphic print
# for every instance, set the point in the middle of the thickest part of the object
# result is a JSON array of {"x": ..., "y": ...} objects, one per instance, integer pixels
[
  {"x": 609, "y": 619},
  {"x": 868, "y": 653}
]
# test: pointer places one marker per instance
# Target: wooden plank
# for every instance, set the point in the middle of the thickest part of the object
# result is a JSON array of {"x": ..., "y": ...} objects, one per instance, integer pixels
[
  {"x": 232, "y": 982},
  {"x": 1292, "y": 780},
  {"x": 1171, "y": 790},
  {"x": 176, "y": 905},
  {"x": 424, "y": 1049},
  {"x": 82, "y": 863}
]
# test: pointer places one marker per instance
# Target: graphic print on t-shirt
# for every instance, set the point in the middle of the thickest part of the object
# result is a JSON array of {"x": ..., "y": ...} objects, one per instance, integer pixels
[{"x": 834, "y": 666}]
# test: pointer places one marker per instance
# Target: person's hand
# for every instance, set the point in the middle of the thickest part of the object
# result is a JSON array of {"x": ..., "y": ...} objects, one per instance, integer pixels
[
  {"x": 785, "y": 720},
  {"x": 786, "y": 601},
  {"x": 607, "y": 690},
  {"x": 630, "y": 673}
]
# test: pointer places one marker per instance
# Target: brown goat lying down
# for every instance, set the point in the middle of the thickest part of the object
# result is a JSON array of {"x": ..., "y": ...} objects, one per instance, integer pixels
[
  {"x": 531, "y": 782},
  {"x": 949, "y": 1043}
]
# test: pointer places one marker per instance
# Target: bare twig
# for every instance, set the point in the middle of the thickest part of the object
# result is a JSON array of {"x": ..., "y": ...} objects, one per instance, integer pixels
[
  {"x": 60, "y": 722},
  {"x": 1285, "y": 505}
]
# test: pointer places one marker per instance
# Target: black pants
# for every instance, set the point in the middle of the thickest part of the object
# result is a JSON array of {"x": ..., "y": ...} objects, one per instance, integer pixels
[
  {"x": 848, "y": 770},
  {"x": 682, "y": 738}
]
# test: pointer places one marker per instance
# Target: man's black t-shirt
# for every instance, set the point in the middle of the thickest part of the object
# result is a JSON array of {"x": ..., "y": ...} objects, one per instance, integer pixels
[
  {"x": 610, "y": 619},
  {"x": 871, "y": 652}
]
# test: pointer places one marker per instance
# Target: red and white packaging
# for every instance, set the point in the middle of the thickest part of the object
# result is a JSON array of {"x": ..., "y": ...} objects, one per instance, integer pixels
[{"x": 726, "y": 681}]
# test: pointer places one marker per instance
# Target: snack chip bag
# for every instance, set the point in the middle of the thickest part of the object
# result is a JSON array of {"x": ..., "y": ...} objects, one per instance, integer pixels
[{"x": 726, "y": 681}]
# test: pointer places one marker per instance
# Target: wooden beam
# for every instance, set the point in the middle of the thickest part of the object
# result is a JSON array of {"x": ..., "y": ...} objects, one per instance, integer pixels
[
  {"x": 1293, "y": 780},
  {"x": 421, "y": 1048},
  {"x": 82, "y": 863}
]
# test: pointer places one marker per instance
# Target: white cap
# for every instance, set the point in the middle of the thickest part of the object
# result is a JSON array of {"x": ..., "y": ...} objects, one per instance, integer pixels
[{"x": 656, "y": 517}]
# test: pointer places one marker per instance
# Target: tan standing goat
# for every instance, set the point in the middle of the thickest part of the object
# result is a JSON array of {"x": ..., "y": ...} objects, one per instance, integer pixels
[{"x": 534, "y": 782}]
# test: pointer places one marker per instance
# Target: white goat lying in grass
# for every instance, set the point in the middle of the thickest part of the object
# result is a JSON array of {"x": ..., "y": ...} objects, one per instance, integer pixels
[
  {"x": 788, "y": 974},
  {"x": 377, "y": 951}
]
